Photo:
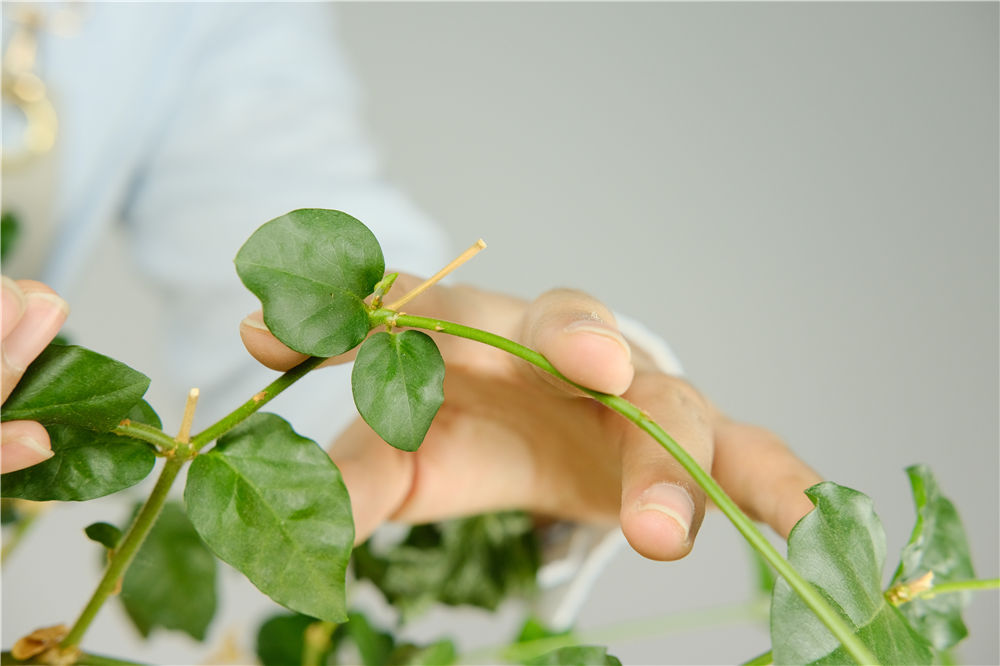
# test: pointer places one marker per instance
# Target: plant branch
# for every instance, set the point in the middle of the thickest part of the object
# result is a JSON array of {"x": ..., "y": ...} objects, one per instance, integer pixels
[
  {"x": 122, "y": 556},
  {"x": 147, "y": 433},
  {"x": 231, "y": 420},
  {"x": 952, "y": 587},
  {"x": 854, "y": 646}
]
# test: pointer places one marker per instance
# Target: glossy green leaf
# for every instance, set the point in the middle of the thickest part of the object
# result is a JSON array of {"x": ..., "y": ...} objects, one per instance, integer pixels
[
  {"x": 398, "y": 385},
  {"x": 272, "y": 504},
  {"x": 477, "y": 561},
  {"x": 281, "y": 638},
  {"x": 312, "y": 270},
  {"x": 171, "y": 581},
  {"x": 76, "y": 387},
  {"x": 439, "y": 653},
  {"x": 143, "y": 412},
  {"x": 105, "y": 534},
  {"x": 85, "y": 465},
  {"x": 937, "y": 544},
  {"x": 840, "y": 548},
  {"x": 577, "y": 655}
]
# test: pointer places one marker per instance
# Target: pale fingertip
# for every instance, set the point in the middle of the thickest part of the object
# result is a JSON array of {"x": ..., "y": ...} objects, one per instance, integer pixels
[
  {"x": 12, "y": 305},
  {"x": 594, "y": 355},
  {"x": 266, "y": 348},
  {"x": 593, "y": 328},
  {"x": 256, "y": 321},
  {"x": 23, "y": 451},
  {"x": 658, "y": 526}
]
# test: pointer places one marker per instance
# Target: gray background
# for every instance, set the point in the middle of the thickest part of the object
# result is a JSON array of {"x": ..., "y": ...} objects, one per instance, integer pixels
[{"x": 801, "y": 198}]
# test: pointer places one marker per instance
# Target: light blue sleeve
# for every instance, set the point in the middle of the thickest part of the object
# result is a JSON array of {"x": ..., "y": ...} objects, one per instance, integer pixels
[{"x": 215, "y": 119}]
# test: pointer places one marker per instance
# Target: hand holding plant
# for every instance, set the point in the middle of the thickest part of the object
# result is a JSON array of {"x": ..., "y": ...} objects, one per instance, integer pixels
[{"x": 274, "y": 506}]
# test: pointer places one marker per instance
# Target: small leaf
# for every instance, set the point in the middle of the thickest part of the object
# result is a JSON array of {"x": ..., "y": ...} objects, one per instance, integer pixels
[
  {"x": 10, "y": 231},
  {"x": 171, "y": 581},
  {"x": 85, "y": 465},
  {"x": 105, "y": 534},
  {"x": 312, "y": 270},
  {"x": 938, "y": 544},
  {"x": 281, "y": 638},
  {"x": 272, "y": 504},
  {"x": 477, "y": 561},
  {"x": 840, "y": 548},
  {"x": 439, "y": 653},
  {"x": 577, "y": 655},
  {"x": 77, "y": 387},
  {"x": 398, "y": 385}
]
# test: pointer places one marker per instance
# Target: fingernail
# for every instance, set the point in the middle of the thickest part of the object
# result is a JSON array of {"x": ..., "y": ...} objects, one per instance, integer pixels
[
  {"x": 671, "y": 500},
  {"x": 31, "y": 449},
  {"x": 44, "y": 314},
  {"x": 255, "y": 320},
  {"x": 595, "y": 328},
  {"x": 12, "y": 304}
]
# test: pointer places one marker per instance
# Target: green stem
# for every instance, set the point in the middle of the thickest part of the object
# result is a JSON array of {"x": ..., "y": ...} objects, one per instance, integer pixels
[
  {"x": 21, "y": 528},
  {"x": 235, "y": 417},
  {"x": 122, "y": 556},
  {"x": 952, "y": 587},
  {"x": 761, "y": 660},
  {"x": 146, "y": 433},
  {"x": 812, "y": 598},
  {"x": 627, "y": 630},
  {"x": 316, "y": 643}
]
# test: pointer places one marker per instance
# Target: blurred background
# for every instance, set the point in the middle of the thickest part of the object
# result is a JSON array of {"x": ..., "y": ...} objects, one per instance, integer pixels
[{"x": 801, "y": 198}]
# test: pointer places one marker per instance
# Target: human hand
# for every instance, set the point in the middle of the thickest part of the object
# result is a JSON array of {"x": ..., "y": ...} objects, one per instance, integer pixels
[
  {"x": 508, "y": 436},
  {"x": 31, "y": 315}
]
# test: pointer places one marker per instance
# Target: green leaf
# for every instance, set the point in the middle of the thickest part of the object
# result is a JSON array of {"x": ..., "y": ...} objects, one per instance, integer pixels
[
  {"x": 577, "y": 655},
  {"x": 840, "y": 548},
  {"x": 76, "y": 387},
  {"x": 439, "y": 653},
  {"x": 10, "y": 231},
  {"x": 105, "y": 534},
  {"x": 85, "y": 465},
  {"x": 938, "y": 544},
  {"x": 280, "y": 640},
  {"x": 272, "y": 504},
  {"x": 171, "y": 581},
  {"x": 477, "y": 561},
  {"x": 312, "y": 270},
  {"x": 143, "y": 412},
  {"x": 374, "y": 646},
  {"x": 398, "y": 386}
]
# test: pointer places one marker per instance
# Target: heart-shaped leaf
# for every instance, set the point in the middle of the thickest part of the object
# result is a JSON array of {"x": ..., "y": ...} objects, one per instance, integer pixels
[
  {"x": 938, "y": 545},
  {"x": 312, "y": 270},
  {"x": 85, "y": 465},
  {"x": 171, "y": 581},
  {"x": 840, "y": 548},
  {"x": 272, "y": 504},
  {"x": 398, "y": 386},
  {"x": 71, "y": 385}
]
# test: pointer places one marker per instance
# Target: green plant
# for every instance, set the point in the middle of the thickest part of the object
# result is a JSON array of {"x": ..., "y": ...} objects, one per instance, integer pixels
[{"x": 272, "y": 504}]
